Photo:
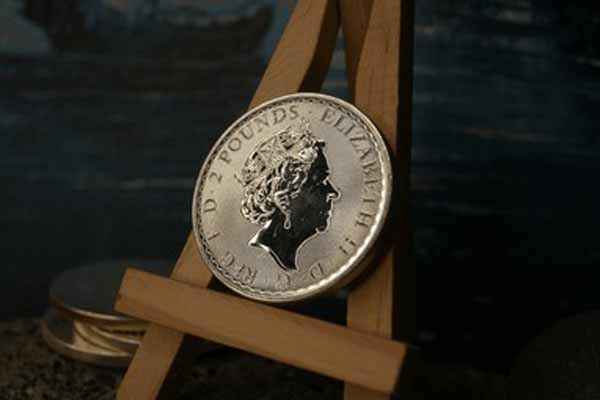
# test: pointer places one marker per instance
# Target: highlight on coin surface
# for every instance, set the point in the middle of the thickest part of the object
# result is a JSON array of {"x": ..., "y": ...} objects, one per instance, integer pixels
[{"x": 291, "y": 198}]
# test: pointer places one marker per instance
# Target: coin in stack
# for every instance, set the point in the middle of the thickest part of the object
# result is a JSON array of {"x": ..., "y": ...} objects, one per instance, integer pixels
[
  {"x": 124, "y": 340},
  {"x": 60, "y": 334},
  {"x": 88, "y": 293},
  {"x": 292, "y": 197},
  {"x": 130, "y": 340}
]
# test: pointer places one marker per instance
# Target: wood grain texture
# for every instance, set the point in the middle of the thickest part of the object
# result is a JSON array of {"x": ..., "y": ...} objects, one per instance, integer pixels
[
  {"x": 296, "y": 65},
  {"x": 158, "y": 363},
  {"x": 294, "y": 339},
  {"x": 301, "y": 59},
  {"x": 354, "y": 18},
  {"x": 384, "y": 93}
]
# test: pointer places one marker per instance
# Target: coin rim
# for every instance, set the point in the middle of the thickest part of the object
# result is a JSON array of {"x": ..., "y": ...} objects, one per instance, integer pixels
[
  {"x": 113, "y": 322},
  {"x": 90, "y": 335},
  {"x": 95, "y": 355},
  {"x": 353, "y": 266}
]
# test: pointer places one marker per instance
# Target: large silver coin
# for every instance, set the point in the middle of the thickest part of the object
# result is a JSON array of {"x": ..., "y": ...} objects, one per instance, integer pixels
[{"x": 290, "y": 200}]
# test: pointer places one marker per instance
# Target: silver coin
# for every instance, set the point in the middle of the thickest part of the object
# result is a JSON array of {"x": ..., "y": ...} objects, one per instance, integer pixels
[
  {"x": 61, "y": 336},
  {"x": 88, "y": 293},
  {"x": 292, "y": 197},
  {"x": 122, "y": 341}
]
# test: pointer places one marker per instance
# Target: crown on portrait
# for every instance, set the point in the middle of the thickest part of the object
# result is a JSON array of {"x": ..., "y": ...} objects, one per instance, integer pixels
[{"x": 295, "y": 141}]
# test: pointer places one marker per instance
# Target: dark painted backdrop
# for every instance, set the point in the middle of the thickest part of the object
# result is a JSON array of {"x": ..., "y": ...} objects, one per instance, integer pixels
[{"x": 107, "y": 108}]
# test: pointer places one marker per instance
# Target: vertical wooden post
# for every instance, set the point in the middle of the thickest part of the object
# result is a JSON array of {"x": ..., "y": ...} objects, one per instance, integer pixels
[
  {"x": 300, "y": 62},
  {"x": 383, "y": 90}
]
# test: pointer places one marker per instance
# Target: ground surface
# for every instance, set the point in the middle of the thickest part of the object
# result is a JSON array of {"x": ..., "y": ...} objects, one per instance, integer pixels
[{"x": 31, "y": 371}]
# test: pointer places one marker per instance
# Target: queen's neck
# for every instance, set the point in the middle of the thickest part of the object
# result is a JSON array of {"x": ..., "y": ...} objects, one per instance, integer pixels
[{"x": 281, "y": 243}]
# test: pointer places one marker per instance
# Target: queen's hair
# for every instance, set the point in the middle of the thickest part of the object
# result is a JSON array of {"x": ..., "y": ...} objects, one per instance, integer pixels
[{"x": 276, "y": 171}]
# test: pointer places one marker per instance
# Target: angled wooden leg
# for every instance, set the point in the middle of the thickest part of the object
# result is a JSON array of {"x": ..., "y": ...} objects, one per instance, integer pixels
[
  {"x": 355, "y": 19},
  {"x": 300, "y": 62},
  {"x": 157, "y": 364},
  {"x": 384, "y": 93},
  {"x": 324, "y": 347}
]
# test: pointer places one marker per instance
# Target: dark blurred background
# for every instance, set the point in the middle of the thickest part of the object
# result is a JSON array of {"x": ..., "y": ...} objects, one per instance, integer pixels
[{"x": 108, "y": 107}]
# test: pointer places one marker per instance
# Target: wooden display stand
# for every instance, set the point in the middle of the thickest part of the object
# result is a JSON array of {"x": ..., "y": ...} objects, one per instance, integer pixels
[{"x": 379, "y": 42}]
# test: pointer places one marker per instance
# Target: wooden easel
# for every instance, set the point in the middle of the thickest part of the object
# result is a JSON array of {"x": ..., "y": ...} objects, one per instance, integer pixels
[{"x": 379, "y": 41}]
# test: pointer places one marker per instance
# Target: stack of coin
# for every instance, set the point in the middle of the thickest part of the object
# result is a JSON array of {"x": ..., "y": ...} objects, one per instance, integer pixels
[{"x": 81, "y": 322}]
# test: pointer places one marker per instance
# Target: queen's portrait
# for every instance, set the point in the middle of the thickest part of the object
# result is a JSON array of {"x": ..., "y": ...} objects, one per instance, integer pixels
[{"x": 287, "y": 192}]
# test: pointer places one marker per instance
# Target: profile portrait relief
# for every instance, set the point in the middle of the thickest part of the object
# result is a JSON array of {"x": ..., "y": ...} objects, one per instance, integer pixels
[{"x": 287, "y": 192}]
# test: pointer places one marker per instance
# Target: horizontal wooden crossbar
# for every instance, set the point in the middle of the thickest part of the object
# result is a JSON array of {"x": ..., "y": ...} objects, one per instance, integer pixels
[{"x": 329, "y": 349}]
